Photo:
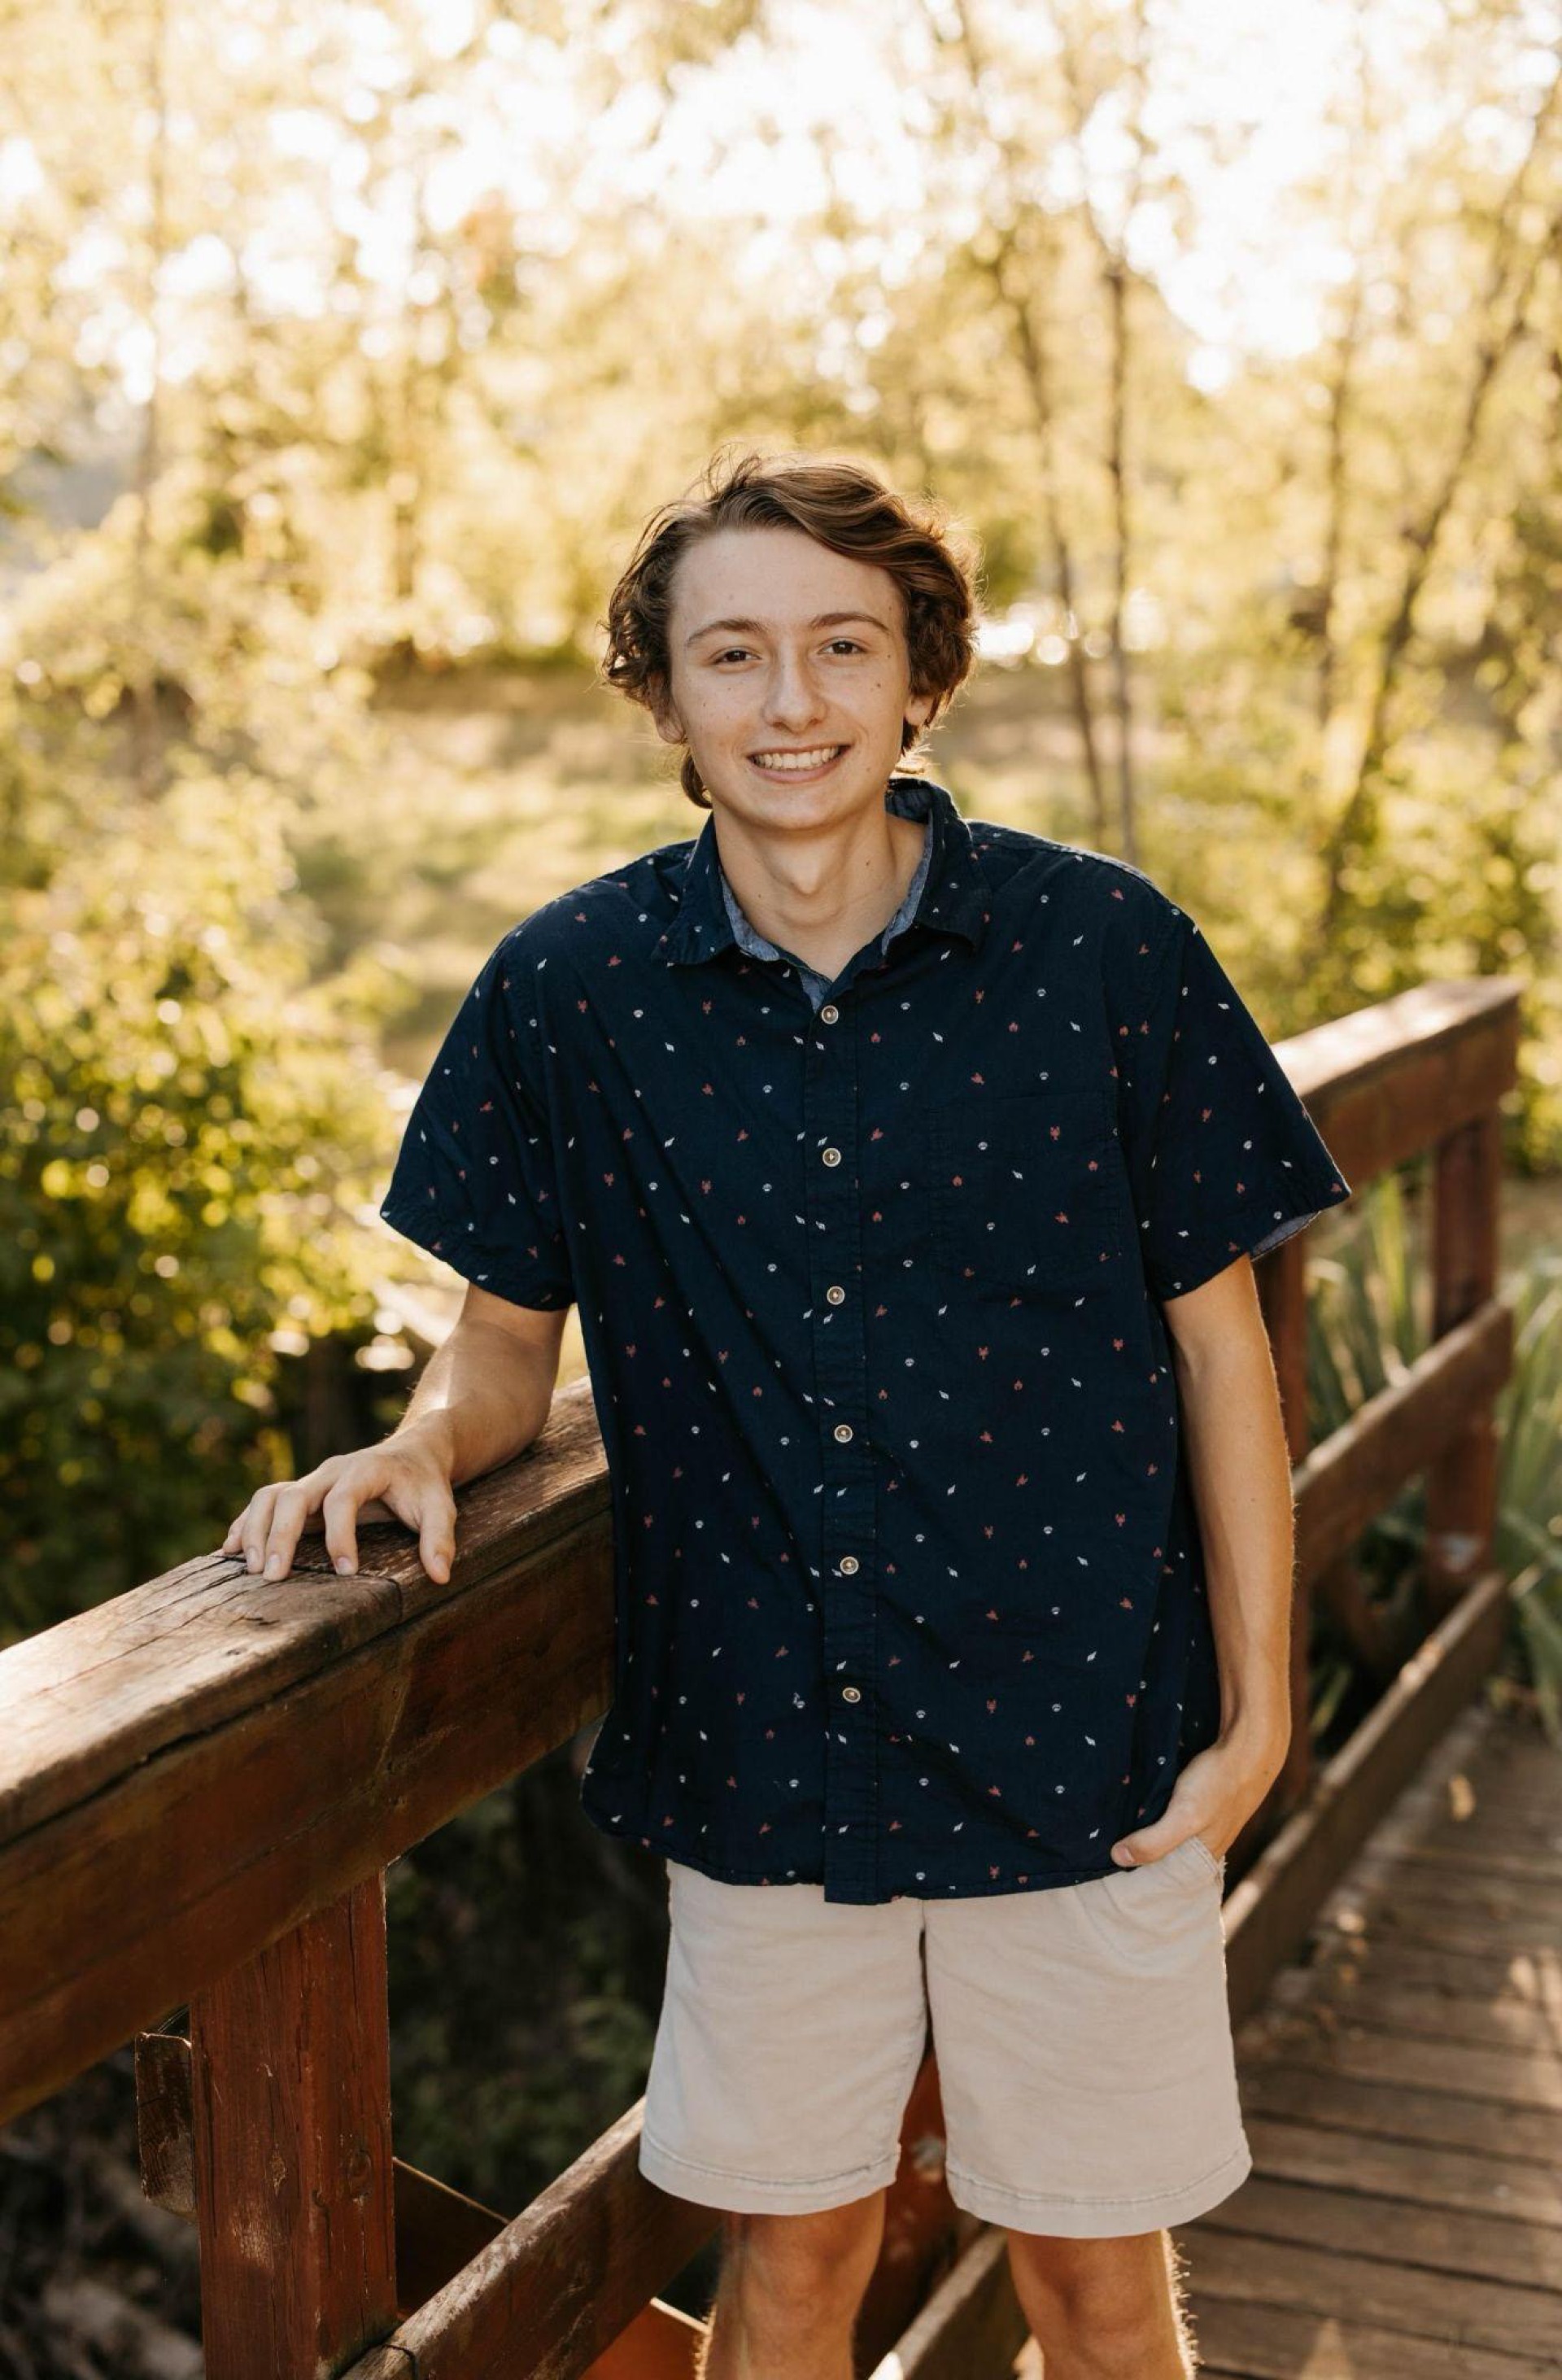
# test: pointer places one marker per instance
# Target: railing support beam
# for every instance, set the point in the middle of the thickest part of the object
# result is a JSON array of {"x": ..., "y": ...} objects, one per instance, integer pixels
[{"x": 291, "y": 2108}]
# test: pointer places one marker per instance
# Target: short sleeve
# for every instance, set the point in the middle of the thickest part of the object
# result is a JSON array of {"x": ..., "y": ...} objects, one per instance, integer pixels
[
  {"x": 474, "y": 1180},
  {"x": 1224, "y": 1158}
]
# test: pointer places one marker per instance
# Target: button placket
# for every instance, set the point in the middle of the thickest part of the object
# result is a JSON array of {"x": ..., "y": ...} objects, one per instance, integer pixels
[{"x": 834, "y": 1219}]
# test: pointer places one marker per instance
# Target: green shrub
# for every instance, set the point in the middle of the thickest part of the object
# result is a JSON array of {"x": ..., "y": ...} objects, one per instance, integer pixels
[{"x": 189, "y": 1134}]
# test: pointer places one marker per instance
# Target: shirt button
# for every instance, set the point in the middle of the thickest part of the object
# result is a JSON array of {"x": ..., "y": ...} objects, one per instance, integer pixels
[
  {"x": 835, "y": 1294},
  {"x": 831, "y": 1156},
  {"x": 848, "y": 1562},
  {"x": 829, "y": 1013},
  {"x": 843, "y": 1431},
  {"x": 850, "y": 1693}
]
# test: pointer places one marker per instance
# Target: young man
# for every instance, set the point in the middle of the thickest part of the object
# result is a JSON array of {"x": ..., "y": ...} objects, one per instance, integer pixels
[{"x": 907, "y": 1171}]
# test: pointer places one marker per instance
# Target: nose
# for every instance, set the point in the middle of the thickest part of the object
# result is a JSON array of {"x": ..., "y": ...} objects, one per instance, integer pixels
[{"x": 793, "y": 700}]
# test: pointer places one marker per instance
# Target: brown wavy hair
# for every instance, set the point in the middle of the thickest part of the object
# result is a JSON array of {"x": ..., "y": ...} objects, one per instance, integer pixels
[{"x": 844, "y": 505}]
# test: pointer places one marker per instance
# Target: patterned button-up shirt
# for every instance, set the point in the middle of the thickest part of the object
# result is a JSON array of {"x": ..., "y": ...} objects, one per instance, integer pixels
[{"x": 909, "y": 1583}]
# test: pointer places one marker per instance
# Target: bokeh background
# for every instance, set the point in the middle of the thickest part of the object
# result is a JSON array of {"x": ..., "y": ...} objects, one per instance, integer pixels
[{"x": 343, "y": 349}]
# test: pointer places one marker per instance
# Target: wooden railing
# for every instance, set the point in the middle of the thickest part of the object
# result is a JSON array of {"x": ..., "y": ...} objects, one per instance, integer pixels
[{"x": 202, "y": 1783}]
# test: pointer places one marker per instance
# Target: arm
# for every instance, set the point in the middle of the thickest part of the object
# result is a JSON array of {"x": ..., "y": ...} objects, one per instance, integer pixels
[
  {"x": 483, "y": 1396},
  {"x": 1240, "y": 1467},
  {"x": 1240, "y": 1471}
]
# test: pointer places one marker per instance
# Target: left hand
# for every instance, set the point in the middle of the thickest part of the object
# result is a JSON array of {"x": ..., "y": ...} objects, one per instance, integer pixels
[{"x": 1213, "y": 1796}]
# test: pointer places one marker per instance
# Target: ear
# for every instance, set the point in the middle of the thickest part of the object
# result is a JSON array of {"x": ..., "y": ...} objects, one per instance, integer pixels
[
  {"x": 918, "y": 708},
  {"x": 668, "y": 726}
]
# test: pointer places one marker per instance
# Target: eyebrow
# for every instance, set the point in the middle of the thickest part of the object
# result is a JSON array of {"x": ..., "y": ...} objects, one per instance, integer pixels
[{"x": 750, "y": 627}]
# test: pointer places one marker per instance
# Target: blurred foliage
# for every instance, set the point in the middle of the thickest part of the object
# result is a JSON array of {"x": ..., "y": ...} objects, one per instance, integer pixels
[{"x": 187, "y": 1131}]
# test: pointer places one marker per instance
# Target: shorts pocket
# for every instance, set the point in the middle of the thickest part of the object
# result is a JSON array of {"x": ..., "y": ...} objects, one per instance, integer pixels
[
  {"x": 1028, "y": 1192},
  {"x": 1190, "y": 1862}
]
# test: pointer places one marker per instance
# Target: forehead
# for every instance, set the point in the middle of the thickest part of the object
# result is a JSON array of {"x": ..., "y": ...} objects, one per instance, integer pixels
[{"x": 782, "y": 578}]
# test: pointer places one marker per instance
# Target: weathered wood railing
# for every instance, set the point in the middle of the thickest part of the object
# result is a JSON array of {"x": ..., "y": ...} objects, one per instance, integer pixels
[{"x": 202, "y": 1783}]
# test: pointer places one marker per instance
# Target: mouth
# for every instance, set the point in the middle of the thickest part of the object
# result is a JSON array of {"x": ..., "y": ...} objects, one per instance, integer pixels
[{"x": 800, "y": 766}]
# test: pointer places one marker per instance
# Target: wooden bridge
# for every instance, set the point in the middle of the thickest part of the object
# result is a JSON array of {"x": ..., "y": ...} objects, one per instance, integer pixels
[
  {"x": 1403, "y": 2096},
  {"x": 201, "y": 1784}
]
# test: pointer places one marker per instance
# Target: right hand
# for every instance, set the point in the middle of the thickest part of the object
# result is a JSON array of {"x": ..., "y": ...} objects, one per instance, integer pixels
[{"x": 403, "y": 1479}]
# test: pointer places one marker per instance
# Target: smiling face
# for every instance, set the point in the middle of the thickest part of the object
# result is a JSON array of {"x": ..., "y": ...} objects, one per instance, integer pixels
[{"x": 790, "y": 677}]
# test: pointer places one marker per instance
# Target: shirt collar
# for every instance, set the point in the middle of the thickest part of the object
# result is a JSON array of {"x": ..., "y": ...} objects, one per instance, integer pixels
[{"x": 954, "y": 895}]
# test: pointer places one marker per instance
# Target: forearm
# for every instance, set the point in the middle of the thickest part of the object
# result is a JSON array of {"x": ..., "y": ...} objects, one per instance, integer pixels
[
  {"x": 1240, "y": 1470},
  {"x": 483, "y": 1395}
]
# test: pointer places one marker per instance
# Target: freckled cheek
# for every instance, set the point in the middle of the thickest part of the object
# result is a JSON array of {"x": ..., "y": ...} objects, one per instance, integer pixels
[{"x": 715, "y": 715}]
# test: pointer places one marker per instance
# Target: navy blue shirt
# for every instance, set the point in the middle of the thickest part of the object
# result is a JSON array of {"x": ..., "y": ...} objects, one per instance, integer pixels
[{"x": 908, "y": 1577}]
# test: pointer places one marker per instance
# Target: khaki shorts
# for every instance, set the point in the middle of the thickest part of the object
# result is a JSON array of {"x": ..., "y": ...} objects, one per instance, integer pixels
[{"x": 1083, "y": 2035}]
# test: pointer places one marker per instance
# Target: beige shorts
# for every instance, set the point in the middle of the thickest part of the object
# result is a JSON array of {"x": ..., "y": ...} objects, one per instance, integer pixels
[{"x": 1083, "y": 2035}]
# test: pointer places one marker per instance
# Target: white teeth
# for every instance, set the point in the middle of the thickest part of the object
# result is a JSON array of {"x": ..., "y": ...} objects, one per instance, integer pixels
[{"x": 799, "y": 760}]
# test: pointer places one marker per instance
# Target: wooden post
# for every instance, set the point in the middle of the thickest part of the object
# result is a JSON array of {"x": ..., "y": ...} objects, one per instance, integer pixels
[
  {"x": 1461, "y": 1491},
  {"x": 291, "y": 2105},
  {"x": 1282, "y": 1296}
]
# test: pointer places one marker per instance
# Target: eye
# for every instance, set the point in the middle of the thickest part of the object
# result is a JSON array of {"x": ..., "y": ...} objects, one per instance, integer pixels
[
  {"x": 850, "y": 642},
  {"x": 732, "y": 649}
]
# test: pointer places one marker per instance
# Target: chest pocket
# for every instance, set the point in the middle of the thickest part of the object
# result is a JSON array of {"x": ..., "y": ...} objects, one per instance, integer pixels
[{"x": 1028, "y": 1193}]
